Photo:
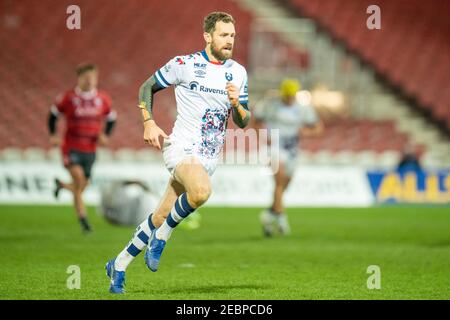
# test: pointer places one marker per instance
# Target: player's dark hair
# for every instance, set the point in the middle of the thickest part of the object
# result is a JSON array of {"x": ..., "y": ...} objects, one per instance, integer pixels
[
  {"x": 85, "y": 67},
  {"x": 209, "y": 24}
]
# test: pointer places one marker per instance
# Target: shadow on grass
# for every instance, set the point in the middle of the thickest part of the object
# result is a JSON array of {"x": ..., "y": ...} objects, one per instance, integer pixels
[
  {"x": 437, "y": 244},
  {"x": 242, "y": 240}
]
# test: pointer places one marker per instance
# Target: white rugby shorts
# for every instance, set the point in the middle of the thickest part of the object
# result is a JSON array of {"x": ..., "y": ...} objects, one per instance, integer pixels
[{"x": 175, "y": 151}]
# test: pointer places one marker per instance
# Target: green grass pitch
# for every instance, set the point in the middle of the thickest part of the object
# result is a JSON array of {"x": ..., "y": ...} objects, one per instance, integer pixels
[{"x": 326, "y": 257}]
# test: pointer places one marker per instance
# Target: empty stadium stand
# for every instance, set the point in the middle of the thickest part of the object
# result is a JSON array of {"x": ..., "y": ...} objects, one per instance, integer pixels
[
  {"x": 128, "y": 41},
  {"x": 411, "y": 51}
]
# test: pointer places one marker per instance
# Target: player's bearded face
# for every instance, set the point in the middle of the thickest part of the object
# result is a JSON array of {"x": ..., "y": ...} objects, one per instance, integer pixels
[
  {"x": 221, "y": 52},
  {"x": 222, "y": 41}
]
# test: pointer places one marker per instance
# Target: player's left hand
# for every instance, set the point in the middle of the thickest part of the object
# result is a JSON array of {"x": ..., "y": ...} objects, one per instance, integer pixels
[
  {"x": 233, "y": 94},
  {"x": 103, "y": 140}
]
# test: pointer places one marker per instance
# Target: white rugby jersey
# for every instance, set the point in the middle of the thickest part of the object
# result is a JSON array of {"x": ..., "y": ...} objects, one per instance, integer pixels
[
  {"x": 203, "y": 107},
  {"x": 287, "y": 119}
]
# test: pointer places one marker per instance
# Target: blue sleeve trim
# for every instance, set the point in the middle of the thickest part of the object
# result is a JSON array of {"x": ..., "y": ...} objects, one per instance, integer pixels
[
  {"x": 159, "y": 82},
  {"x": 167, "y": 84}
]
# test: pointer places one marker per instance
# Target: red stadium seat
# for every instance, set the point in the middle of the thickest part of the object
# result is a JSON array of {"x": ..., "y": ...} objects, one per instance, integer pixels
[
  {"x": 128, "y": 42},
  {"x": 411, "y": 49}
]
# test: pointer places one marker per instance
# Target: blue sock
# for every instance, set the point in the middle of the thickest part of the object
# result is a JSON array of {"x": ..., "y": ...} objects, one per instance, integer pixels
[
  {"x": 136, "y": 244},
  {"x": 180, "y": 211}
]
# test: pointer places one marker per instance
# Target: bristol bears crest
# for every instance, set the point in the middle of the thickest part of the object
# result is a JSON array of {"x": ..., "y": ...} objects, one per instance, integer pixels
[{"x": 228, "y": 76}]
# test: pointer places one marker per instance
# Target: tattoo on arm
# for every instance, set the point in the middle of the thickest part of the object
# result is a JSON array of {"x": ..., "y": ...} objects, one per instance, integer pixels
[
  {"x": 241, "y": 115},
  {"x": 146, "y": 92}
]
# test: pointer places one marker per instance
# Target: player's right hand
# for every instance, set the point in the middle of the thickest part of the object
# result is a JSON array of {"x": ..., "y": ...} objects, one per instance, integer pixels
[
  {"x": 152, "y": 133},
  {"x": 55, "y": 141}
]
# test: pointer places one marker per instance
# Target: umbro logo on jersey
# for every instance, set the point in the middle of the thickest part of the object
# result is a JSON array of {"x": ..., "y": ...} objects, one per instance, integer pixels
[{"x": 200, "y": 73}]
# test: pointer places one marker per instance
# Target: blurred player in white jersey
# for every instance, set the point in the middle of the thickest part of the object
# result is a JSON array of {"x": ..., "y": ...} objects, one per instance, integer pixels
[
  {"x": 293, "y": 120},
  {"x": 209, "y": 87}
]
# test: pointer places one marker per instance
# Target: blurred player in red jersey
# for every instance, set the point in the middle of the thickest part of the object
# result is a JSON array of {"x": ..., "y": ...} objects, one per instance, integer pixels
[{"x": 85, "y": 110}]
